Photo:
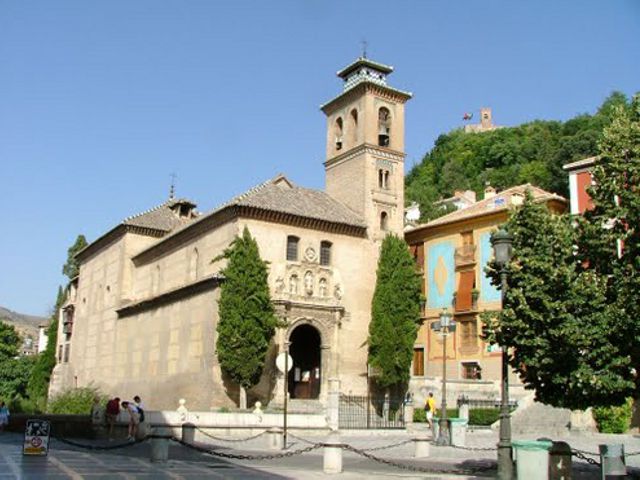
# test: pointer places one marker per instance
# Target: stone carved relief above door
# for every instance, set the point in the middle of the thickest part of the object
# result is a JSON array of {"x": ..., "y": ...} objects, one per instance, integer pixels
[{"x": 307, "y": 282}]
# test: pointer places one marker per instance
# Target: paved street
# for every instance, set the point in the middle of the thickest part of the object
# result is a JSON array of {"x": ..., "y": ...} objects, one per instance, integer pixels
[{"x": 67, "y": 462}]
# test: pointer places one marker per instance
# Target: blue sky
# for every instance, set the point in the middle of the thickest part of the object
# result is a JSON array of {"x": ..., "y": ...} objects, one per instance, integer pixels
[{"x": 101, "y": 101}]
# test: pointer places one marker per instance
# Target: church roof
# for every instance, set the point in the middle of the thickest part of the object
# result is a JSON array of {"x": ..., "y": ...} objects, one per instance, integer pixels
[
  {"x": 161, "y": 217},
  {"x": 155, "y": 222},
  {"x": 281, "y": 195}
]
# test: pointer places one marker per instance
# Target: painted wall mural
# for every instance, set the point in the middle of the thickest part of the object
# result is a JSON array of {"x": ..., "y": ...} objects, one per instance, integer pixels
[
  {"x": 488, "y": 292},
  {"x": 441, "y": 274}
]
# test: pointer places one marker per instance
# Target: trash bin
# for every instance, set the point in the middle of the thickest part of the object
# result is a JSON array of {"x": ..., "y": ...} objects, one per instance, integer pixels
[
  {"x": 436, "y": 429},
  {"x": 458, "y": 429},
  {"x": 532, "y": 459}
]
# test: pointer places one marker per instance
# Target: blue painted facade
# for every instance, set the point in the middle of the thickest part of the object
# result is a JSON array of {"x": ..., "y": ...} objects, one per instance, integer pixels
[
  {"x": 488, "y": 292},
  {"x": 440, "y": 256}
]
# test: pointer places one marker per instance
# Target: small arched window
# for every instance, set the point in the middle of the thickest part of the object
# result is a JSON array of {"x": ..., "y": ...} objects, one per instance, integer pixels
[
  {"x": 155, "y": 279},
  {"x": 384, "y": 127},
  {"x": 380, "y": 179},
  {"x": 193, "y": 265},
  {"x": 386, "y": 180},
  {"x": 384, "y": 221},
  {"x": 354, "y": 126},
  {"x": 292, "y": 248},
  {"x": 325, "y": 253},
  {"x": 339, "y": 129}
]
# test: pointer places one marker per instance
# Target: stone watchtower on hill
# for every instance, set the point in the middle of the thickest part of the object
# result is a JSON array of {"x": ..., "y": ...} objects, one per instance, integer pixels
[{"x": 365, "y": 146}]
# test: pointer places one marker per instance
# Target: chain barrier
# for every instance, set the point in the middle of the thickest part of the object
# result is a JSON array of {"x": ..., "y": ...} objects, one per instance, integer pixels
[
  {"x": 233, "y": 440},
  {"x": 99, "y": 447},
  {"x": 387, "y": 447},
  {"x": 474, "y": 449},
  {"x": 303, "y": 440},
  {"x": 236, "y": 456},
  {"x": 413, "y": 468},
  {"x": 582, "y": 455}
]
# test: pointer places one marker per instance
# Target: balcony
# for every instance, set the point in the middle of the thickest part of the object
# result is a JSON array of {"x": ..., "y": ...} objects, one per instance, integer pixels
[{"x": 465, "y": 256}]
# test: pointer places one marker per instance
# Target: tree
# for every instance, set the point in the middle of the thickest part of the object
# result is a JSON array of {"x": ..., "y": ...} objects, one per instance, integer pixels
[
  {"x": 247, "y": 318},
  {"x": 610, "y": 235},
  {"x": 395, "y": 312},
  {"x": 71, "y": 267},
  {"x": 38, "y": 386},
  {"x": 556, "y": 320},
  {"x": 9, "y": 341},
  {"x": 14, "y": 377},
  {"x": 533, "y": 152}
]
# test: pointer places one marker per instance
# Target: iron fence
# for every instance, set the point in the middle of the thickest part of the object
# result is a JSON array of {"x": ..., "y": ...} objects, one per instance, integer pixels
[
  {"x": 371, "y": 412},
  {"x": 484, "y": 402}
]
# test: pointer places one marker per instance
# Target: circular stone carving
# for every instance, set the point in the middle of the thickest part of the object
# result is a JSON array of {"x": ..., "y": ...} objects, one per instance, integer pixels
[{"x": 310, "y": 254}]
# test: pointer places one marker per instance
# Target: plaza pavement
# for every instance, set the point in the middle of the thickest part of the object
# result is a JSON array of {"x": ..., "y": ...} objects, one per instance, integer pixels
[{"x": 132, "y": 462}]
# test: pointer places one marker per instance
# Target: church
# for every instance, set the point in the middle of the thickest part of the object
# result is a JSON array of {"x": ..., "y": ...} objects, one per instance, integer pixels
[{"x": 141, "y": 316}]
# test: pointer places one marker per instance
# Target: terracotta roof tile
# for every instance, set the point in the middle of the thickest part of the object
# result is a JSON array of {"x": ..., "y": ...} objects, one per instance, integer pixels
[
  {"x": 161, "y": 217},
  {"x": 501, "y": 201}
]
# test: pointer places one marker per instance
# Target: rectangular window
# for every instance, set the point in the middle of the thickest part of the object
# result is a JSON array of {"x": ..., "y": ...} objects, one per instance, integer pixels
[
  {"x": 292, "y": 248},
  {"x": 471, "y": 371},
  {"x": 418, "y": 362},
  {"x": 59, "y": 353},
  {"x": 325, "y": 253},
  {"x": 468, "y": 334},
  {"x": 463, "y": 295},
  {"x": 66, "y": 352}
]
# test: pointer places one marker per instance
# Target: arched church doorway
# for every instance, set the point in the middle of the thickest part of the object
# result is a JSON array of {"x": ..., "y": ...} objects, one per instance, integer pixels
[{"x": 304, "y": 377}]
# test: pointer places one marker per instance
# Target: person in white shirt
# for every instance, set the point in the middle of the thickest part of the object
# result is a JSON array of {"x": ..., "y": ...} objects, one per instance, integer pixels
[{"x": 134, "y": 419}]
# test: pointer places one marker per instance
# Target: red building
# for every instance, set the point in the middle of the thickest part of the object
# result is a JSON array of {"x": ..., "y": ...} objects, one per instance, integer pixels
[{"x": 579, "y": 180}]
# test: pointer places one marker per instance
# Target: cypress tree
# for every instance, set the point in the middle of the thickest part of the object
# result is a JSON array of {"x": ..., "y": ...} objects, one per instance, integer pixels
[
  {"x": 247, "y": 319},
  {"x": 395, "y": 312}
]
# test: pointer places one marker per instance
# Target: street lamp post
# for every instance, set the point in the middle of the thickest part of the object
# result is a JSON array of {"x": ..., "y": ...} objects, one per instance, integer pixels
[
  {"x": 502, "y": 244},
  {"x": 444, "y": 326}
]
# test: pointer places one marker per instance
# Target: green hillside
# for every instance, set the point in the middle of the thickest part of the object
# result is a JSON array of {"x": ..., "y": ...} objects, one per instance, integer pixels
[{"x": 533, "y": 152}]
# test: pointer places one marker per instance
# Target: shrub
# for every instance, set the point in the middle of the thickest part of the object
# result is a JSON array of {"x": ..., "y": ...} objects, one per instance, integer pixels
[
  {"x": 483, "y": 416},
  {"x": 613, "y": 419},
  {"x": 419, "y": 415},
  {"x": 20, "y": 404},
  {"x": 76, "y": 401}
]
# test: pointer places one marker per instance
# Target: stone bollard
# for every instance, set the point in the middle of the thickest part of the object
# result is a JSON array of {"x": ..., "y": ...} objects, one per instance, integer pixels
[
  {"x": 560, "y": 461},
  {"x": 275, "y": 438},
  {"x": 188, "y": 433},
  {"x": 422, "y": 447},
  {"x": 160, "y": 446},
  {"x": 463, "y": 411},
  {"x": 332, "y": 462},
  {"x": 408, "y": 416},
  {"x": 182, "y": 410},
  {"x": 612, "y": 461}
]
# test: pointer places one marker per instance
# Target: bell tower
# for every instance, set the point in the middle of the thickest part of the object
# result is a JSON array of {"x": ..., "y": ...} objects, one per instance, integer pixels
[{"x": 364, "y": 168}]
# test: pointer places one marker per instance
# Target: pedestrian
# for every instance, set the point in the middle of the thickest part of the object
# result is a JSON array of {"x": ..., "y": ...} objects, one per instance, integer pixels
[
  {"x": 112, "y": 411},
  {"x": 430, "y": 409},
  {"x": 4, "y": 415},
  {"x": 134, "y": 419},
  {"x": 140, "y": 407}
]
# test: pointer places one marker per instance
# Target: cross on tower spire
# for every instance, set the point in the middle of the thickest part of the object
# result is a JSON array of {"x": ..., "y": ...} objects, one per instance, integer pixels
[
  {"x": 364, "y": 48},
  {"x": 172, "y": 188}
]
